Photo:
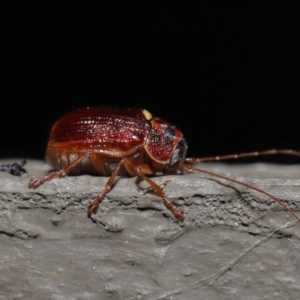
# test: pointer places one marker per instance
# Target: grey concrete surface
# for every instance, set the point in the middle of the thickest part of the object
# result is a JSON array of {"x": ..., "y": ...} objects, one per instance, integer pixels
[{"x": 234, "y": 243}]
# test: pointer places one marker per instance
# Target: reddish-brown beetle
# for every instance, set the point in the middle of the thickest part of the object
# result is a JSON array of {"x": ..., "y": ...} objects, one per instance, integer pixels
[{"x": 112, "y": 141}]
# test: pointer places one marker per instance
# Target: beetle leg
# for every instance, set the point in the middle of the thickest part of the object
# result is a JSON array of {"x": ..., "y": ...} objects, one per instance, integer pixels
[
  {"x": 36, "y": 182},
  {"x": 141, "y": 170},
  {"x": 93, "y": 207},
  {"x": 161, "y": 185},
  {"x": 99, "y": 164},
  {"x": 177, "y": 212}
]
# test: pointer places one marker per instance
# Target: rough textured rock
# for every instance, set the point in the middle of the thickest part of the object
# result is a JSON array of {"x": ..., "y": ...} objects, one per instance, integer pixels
[{"x": 232, "y": 244}]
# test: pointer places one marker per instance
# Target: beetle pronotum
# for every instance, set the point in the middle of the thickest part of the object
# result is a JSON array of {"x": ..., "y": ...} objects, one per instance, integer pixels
[{"x": 116, "y": 141}]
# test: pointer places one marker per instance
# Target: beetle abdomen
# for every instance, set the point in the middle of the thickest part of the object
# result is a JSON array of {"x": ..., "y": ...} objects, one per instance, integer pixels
[{"x": 94, "y": 164}]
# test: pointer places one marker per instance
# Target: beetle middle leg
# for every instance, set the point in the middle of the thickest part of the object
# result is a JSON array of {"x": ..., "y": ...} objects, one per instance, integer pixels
[{"x": 93, "y": 207}]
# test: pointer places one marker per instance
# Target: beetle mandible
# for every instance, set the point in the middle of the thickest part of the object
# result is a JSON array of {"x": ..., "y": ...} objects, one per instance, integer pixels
[{"x": 115, "y": 141}]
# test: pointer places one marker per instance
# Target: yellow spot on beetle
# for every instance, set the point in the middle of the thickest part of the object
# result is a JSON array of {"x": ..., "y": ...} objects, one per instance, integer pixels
[{"x": 147, "y": 114}]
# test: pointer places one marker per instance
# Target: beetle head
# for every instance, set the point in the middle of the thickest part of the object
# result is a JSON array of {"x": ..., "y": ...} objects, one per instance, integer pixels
[{"x": 166, "y": 145}]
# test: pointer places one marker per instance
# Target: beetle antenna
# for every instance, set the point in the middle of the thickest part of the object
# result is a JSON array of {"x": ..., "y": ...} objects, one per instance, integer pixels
[
  {"x": 243, "y": 155},
  {"x": 189, "y": 167}
]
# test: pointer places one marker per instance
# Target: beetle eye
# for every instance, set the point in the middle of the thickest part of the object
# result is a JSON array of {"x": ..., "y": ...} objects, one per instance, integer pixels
[{"x": 178, "y": 153}]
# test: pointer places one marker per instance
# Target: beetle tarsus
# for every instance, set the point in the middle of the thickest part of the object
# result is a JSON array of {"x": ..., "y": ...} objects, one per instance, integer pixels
[
  {"x": 92, "y": 209},
  {"x": 178, "y": 213},
  {"x": 34, "y": 183}
]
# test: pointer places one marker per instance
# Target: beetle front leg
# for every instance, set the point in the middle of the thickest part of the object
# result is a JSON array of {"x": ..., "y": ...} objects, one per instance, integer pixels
[
  {"x": 141, "y": 170},
  {"x": 93, "y": 207},
  {"x": 176, "y": 211}
]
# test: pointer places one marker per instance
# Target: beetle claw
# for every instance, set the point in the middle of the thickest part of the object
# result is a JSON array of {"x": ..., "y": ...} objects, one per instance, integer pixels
[
  {"x": 92, "y": 209},
  {"x": 34, "y": 183},
  {"x": 179, "y": 214}
]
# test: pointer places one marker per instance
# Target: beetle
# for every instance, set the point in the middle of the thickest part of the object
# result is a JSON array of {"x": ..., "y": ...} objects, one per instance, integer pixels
[{"x": 127, "y": 141}]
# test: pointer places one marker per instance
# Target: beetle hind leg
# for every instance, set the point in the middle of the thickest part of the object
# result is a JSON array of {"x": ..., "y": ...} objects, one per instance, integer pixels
[{"x": 36, "y": 182}]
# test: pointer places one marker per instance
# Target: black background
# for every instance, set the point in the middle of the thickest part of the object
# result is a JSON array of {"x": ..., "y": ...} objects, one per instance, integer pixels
[{"x": 226, "y": 75}]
